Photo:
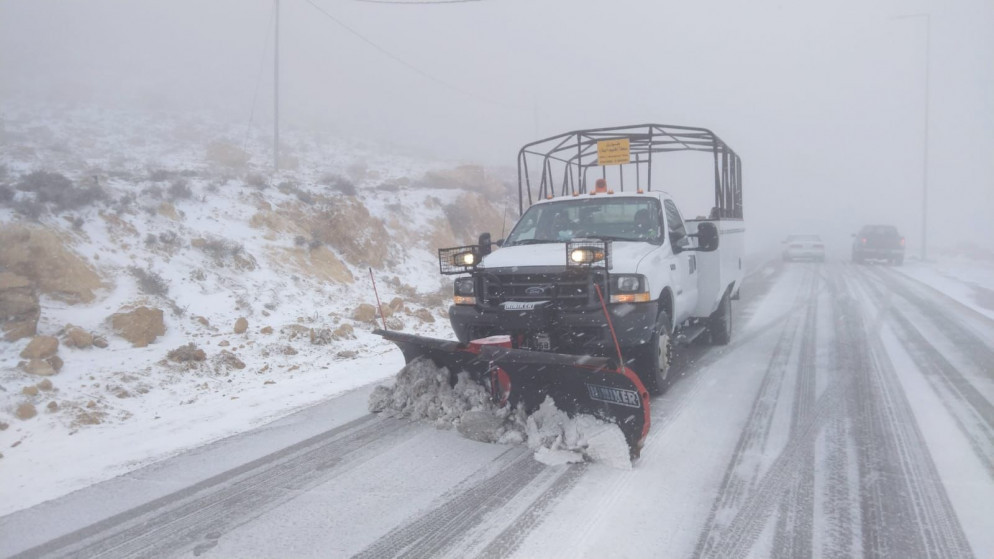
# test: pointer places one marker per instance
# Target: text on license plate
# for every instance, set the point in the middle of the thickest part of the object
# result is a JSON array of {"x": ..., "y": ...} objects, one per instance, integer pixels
[{"x": 521, "y": 305}]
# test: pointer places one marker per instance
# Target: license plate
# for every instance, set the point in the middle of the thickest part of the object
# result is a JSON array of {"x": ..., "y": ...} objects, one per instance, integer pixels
[{"x": 521, "y": 305}]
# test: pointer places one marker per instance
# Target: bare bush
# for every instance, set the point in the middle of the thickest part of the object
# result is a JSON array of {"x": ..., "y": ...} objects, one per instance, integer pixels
[
  {"x": 179, "y": 190},
  {"x": 59, "y": 191},
  {"x": 149, "y": 282},
  {"x": 304, "y": 196},
  {"x": 161, "y": 175},
  {"x": 225, "y": 251},
  {"x": 169, "y": 238},
  {"x": 299, "y": 240},
  {"x": 187, "y": 353},
  {"x": 154, "y": 192},
  {"x": 339, "y": 183},
  {"x": 30, "y": 209},
  {"x": 151, "y": 240},
  {"x": 125, "y": 203},
  {"x": 256, "y": 180}
]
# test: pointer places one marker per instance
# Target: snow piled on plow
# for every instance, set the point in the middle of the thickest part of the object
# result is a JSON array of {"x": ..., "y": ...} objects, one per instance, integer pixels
[{"x": 422, "y": 393}]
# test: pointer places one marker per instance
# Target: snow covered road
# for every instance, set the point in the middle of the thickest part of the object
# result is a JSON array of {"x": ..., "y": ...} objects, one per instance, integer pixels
[{"x": 852, "y": 415}]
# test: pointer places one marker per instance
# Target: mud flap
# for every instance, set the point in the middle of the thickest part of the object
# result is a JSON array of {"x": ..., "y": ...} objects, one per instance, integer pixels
[{"x": 578, "y": 384}]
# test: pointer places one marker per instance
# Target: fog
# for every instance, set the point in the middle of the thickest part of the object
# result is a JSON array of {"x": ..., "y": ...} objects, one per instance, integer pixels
[{"x": 824, "y": 102}]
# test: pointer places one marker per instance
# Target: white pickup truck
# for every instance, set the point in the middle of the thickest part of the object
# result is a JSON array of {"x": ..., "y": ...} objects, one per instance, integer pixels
[{"x": 577, "y": 253}]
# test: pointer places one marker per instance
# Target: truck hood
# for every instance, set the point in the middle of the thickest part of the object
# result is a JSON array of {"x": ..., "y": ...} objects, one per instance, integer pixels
[{"x": 625, "y": 256}]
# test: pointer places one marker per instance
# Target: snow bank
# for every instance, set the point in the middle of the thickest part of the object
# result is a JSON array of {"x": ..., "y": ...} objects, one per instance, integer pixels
[{"x": 422, "y": 393}]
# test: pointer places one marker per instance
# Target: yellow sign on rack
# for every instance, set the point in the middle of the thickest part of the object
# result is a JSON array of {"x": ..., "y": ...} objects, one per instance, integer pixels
[{"x": 613, "y": 152}]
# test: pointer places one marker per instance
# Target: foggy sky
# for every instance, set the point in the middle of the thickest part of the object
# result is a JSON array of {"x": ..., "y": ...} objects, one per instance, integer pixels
[{"x": 823, "y": 101}]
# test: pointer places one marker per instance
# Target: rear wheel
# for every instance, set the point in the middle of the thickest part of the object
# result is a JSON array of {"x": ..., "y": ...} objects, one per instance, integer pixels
[
  {"x": 651, "y": 361},
  {"x": 720, "y": 322}
]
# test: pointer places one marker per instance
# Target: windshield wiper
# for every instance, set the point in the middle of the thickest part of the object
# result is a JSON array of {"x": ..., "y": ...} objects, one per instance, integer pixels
[
  {"x": 609, "y": 238},
  {"x": 531, "y": 242}
]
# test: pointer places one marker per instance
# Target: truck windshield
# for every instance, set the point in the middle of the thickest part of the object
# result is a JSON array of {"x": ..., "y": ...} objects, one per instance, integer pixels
[{"x": 609, "y": 218}]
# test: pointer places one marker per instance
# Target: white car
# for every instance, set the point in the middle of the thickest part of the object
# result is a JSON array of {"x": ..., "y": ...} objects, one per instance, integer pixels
[{"x": 803, "y": 247}]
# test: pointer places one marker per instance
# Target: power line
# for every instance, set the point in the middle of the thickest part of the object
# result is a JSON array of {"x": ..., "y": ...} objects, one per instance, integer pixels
[
  {"x": 412, "y": 67},
  {"x": 258, "y": 79}
]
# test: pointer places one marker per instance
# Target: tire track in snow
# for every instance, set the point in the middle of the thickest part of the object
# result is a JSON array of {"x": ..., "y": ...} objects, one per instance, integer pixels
[
  {"x": 975, "y": 348},
  {"x": 905, "y": 510},
  {"x": 461, "y": 509},
  {"x": 508, "y": 540},
  {"x": 840, "y": 510},
  {"x": 972, "y": 412},
  {"x": 741, "y": 476},
  {"x": 689, "y": 361},
  {"x": 795, "y": 524},
  {"x": 196, "y": 517}
]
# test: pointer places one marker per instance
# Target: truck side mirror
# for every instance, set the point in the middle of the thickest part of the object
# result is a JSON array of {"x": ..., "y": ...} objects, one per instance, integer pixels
[
  {"x": 486, "y": 246},
  {"x": 707, "y": 237}
]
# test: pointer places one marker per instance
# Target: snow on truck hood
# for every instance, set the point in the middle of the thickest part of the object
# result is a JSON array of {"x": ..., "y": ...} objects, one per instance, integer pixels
[{"x": 625, "y": 256}]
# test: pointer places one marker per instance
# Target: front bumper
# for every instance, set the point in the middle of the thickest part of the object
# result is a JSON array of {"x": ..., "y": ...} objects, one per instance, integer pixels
[
  {"x": 803, "y": 254},
  {"x": 878, "y": 253},
  {"x": 572, "y": 331}
]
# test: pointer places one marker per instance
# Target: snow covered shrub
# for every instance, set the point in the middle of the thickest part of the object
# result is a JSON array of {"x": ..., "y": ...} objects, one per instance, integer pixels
[
  {"x": 160, "y": 175},
  {"x": 30, "y": 209},
  {"x": 339, "y": 183},
  {"x": 6, "y": 194},
  {"x": 225, "y": 251},
  {"x": 149, "y": 282},
  {"x": 169, "y": 238},
  {"x": 179, "y": 190},
  {"x": 256, "y": 180},
  {"x": 124, "y": 203},
  {"x": 78, "y": 222},
  {"x": 186, "y": 353},
  {"x": 151, "y": 240},
  {"x": 59, "y": 191},
  {"x": 154, "y": 192},
  {"x": 304, "y": 196}
]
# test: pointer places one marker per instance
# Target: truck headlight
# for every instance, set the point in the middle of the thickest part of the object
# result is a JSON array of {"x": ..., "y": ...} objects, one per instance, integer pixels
[
  {"x": 464, "y": 291},
  {"x": 629, "y": 288}
]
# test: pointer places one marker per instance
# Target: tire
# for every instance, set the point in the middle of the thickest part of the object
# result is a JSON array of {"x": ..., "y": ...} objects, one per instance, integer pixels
[
  {"x": 720, "y": 322},
  {"x": 651, "y": 361}
]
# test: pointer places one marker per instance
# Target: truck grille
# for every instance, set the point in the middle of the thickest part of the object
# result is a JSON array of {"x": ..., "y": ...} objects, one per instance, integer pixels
[{"x": 567, "y": 288}]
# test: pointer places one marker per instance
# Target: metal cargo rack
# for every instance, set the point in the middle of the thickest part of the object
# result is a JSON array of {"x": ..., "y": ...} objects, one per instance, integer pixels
[{"x": 566, "y": 159}]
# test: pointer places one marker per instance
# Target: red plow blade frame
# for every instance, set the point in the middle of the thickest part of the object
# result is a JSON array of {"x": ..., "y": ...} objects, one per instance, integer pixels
[{"x": 578, "y": 384}]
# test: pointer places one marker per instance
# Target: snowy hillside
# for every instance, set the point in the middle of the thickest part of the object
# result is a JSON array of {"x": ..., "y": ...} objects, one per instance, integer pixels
[{"x": 261, "y": 280}]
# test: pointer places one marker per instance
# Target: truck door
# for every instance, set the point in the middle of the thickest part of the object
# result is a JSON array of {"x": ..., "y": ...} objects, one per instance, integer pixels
[{"x": 683, "y": 266}]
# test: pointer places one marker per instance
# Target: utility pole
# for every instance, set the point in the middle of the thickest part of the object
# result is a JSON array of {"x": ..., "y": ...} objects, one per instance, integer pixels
[{"x": 276, "y": 93}]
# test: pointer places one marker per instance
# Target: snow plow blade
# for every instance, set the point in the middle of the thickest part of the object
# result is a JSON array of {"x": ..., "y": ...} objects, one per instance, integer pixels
[{"x": 578, "y": 384}]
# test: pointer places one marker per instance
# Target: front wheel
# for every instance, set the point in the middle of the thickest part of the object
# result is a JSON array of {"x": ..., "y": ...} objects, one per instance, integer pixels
[
  {"x": 720, "y": 322},
  {"x": 651, "y": 361}
]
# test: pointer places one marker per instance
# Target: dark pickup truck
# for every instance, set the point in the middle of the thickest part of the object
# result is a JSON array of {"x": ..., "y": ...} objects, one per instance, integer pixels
[{"x": 878, "y": 242}]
